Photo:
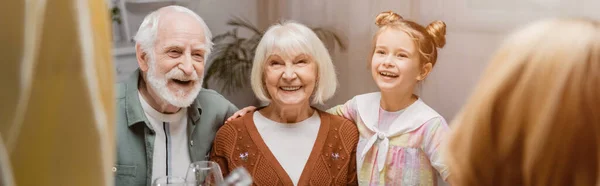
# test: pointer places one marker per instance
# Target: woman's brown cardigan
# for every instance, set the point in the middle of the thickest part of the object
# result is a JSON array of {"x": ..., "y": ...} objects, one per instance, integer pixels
[{"x": 331, "y": 162}]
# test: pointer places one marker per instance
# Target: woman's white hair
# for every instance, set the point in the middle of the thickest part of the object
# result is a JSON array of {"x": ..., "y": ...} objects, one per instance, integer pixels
[
  {"x": 146, "y": 34},
  {"x": 294, "y": 38}
]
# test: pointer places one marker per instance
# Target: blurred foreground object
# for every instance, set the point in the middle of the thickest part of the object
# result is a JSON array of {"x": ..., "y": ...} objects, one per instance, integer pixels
[
  {"x": 239, "y": 177},
  {"x": 57, "y": 100},
  {"x": 534, "y": 118}
]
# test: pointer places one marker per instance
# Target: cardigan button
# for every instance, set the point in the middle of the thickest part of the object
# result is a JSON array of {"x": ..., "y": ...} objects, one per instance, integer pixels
[{"x": 191, "y": 142}]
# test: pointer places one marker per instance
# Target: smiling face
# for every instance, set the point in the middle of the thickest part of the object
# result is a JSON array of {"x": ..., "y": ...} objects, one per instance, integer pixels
[
  {"x": 395, "y": 62},
  {"x": 176, "y": 71},
  {"x": 290, "y": 79}
]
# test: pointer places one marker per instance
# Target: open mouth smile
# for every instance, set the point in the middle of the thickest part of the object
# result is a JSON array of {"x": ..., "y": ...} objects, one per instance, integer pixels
[
  {"x": 290, "y": 88},
  {"x": 388, "y": 74},
  {"x": 182, "y": 82}
]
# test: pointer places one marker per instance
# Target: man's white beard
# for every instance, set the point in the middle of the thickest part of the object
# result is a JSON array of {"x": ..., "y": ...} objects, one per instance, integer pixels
[{"x": 179, "y": 98}]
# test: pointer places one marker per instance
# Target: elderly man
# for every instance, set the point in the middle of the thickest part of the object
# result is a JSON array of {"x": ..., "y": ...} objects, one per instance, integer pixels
[{"x": 165, "y": 119}]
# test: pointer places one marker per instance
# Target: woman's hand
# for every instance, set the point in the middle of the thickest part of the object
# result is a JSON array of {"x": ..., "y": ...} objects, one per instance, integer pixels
[{"x": 241, "y": 113}]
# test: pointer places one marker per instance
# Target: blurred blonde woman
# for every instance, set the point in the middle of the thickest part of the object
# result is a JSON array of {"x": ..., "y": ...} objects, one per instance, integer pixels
[{"x": 534, "y": 117}]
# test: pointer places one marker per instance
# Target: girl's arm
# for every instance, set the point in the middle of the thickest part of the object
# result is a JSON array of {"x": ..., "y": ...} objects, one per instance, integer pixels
[
  {"x": 432, "y": 144},
  {"x": 347, "y": 110}
]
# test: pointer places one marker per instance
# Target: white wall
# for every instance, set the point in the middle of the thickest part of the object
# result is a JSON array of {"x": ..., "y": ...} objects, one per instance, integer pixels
[{"x": 475, "y": 29}]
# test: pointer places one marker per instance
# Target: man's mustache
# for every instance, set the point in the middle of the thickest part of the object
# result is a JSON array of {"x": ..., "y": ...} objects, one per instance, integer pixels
[{"x": 178, "y": 74}]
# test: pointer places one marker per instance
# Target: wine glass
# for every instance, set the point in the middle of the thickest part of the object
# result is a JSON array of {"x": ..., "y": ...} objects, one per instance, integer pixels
[
  {"x": 204, "y": 173},
  {"x": 169, "y": 181}
]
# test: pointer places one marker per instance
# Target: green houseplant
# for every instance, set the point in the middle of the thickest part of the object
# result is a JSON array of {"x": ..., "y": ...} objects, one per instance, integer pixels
[
  {"x": 231, "y": 60},
  {"x": 115, "y": 16}
]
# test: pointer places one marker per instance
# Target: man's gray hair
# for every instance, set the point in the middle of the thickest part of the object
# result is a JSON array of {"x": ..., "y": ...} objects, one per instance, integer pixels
[{"x": 146, "y": 34}]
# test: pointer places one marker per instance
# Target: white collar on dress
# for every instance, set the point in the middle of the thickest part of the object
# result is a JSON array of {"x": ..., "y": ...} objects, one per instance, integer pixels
[{"x": 413, "y": 117}]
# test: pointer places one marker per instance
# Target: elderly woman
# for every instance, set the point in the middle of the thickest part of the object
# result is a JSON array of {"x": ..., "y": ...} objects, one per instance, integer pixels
[{"x": 288, "y": 142}]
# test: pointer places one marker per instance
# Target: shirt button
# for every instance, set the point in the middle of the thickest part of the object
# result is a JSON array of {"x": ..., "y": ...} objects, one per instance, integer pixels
[
  {"x": 114, "y": 169},
  {"x": 192, "y": 143},
  {"x": 380, "y": 136}
]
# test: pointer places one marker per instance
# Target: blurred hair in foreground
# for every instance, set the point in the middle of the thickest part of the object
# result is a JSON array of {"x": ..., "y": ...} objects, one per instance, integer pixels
[{"x": 534, "y": 117}]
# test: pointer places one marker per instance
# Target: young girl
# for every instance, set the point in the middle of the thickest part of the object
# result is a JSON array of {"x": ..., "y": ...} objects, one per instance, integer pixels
[{"x": 400, "y": 137}]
